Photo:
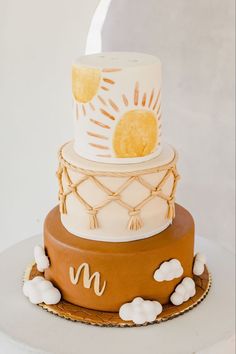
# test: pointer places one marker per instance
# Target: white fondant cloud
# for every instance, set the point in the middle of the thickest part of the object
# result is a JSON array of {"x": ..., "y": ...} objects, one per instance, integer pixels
[
  {"x": 40, "y": 290},
  {"x": 183, "y": 291},
  {"x": 169, "y": 270},
  {"x": 140, "y": 311},
  {"x": 41, "y": 260},
  {"x": 199, "y": 264}
]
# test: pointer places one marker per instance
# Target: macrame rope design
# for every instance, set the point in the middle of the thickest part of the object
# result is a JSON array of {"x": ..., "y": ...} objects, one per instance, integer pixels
[{"x": 135, "y": 221}]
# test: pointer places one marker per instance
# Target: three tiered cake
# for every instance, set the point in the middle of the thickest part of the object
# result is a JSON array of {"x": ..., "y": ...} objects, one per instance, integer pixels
[{"x": 117, "y": 250}]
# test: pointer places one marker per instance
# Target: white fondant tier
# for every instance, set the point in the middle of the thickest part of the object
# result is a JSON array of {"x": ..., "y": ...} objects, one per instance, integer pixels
[
  {"x": 116, "y": 203},
  {"x": 117, "y": 107}
]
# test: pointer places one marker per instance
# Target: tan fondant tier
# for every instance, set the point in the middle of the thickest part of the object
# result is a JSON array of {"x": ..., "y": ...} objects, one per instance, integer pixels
[
  {"x": 105, "y": 275},
  {"x": 113, "y": 202}
]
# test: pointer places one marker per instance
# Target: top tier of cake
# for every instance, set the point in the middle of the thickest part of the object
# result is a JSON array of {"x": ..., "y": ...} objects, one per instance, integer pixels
[{"x": 117, "y": 107}]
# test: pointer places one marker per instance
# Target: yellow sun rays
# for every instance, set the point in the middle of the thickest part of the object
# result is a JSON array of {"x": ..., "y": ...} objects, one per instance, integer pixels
[
  {"x": 136, "y": 132},
  {"x": 86, "y": 84}
]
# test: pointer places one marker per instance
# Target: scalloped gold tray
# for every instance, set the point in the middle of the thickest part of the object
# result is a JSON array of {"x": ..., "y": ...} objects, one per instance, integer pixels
[{"x": 111, "y": 319}]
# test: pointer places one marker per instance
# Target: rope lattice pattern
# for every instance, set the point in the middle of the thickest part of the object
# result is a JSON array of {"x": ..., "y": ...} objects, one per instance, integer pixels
[{"x": 135, "y": 222}]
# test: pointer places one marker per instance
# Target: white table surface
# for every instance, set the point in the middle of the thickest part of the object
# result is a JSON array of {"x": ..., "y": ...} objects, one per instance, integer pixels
[{"x": 26, "y": 328}]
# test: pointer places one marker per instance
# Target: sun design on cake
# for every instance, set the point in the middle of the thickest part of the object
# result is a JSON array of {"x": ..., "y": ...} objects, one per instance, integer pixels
[
  {"x": 129, "y": 129},
  {"x": 88, "y": 83}
]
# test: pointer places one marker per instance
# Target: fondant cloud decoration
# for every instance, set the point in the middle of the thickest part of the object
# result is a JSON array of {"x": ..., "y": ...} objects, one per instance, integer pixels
[
  {"x": 169, "y": 270},
  {"x": 41, "y": 260},
  {"x": 40, "y": 290},
  {"x": 199, "y": 264},
  {"x": 183, "y": 291},
  {"x": 140, "y": 311}
]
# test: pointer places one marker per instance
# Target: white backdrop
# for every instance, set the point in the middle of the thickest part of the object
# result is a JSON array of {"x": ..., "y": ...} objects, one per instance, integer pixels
[
  {"x": 195, "y": 42},
  {"x": 38, "y": 41}
]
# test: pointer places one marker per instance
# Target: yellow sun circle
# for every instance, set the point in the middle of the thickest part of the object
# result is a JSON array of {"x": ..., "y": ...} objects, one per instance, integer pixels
[
  {"x": 135, "y": 134},
  {"x": 85, "y": 83}
]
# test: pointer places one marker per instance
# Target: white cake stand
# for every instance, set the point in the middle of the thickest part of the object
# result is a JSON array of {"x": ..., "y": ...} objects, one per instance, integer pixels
[{"x": 26, "y": 328}]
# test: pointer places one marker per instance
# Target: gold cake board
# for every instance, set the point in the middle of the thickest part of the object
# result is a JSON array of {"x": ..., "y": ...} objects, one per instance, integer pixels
[{"x": 76, "y": 313}]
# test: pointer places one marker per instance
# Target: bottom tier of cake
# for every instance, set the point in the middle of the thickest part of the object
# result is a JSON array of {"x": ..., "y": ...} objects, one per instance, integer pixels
[{"x": 106, "y": 275}]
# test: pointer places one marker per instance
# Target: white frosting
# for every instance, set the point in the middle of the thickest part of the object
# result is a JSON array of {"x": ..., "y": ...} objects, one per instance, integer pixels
[
  {"x": 199, "y": 264},
  {"x": 41, "y": 260},
  {"x": 69, "y": 154},
  {"x": 169, "y": 270},
  {"x": 118, "y": 60},
  {"x": 113, "y": 219},
  {"x": 140, "y": 311},
  {"x": 40, "y": 290},
  {"x": 183, "y": 292},
  {"x": 136, "y": 72}
]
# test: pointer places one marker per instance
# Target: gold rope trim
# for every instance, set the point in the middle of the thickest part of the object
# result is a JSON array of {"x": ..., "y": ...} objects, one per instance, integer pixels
[{"x": 135, "y": 221}]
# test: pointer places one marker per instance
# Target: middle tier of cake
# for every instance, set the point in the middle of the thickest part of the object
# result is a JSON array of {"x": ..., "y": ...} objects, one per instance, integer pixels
[{"x": 116, "y": 203}]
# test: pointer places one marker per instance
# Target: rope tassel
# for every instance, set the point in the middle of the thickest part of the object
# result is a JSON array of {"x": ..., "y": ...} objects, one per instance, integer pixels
[
  {"x": 62, "y": 199},
  {"x": 171, "y": 208},
  {"x": 93, "y": 221},
  {"x": 135, "y": 222}
]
